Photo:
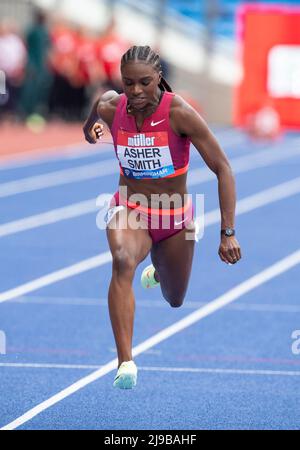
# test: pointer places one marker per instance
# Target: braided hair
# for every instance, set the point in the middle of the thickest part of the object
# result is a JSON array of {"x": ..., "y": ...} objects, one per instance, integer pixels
[{"x": 148, "y": 56}]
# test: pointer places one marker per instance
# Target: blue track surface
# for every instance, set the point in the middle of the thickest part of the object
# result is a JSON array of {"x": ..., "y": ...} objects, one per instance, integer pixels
[{"x": 235, "y": 368}]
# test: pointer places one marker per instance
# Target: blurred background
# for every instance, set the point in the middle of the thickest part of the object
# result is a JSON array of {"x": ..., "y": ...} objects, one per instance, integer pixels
[{"x": 236, "y": 62}]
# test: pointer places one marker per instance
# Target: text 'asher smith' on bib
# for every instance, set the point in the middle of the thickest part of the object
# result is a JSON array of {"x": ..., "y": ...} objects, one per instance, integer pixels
[{"x": 144, "y": 155}]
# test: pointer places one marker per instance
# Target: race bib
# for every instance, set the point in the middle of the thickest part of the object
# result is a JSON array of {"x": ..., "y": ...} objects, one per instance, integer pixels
[{"x": 144, "y": 155}]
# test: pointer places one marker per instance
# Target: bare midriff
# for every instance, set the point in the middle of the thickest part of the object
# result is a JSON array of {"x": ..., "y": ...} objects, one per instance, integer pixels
[{"x": 151, "y": 189}]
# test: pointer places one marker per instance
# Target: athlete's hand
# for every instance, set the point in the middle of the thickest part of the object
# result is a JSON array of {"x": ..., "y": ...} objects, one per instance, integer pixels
[
  {"x": 229, "y": 250},
  {"x": 92, "y": 134}
]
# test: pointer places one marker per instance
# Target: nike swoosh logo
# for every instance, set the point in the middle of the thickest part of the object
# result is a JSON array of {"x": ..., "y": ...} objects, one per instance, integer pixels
[
  {"x": 153, "y": 124},
  {"x": 179, "y": 223}
]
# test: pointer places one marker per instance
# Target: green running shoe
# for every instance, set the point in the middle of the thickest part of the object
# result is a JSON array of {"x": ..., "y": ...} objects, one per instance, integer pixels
[
  {"x": 147, "y": 279},
  {"x": 126, "y": 376}
]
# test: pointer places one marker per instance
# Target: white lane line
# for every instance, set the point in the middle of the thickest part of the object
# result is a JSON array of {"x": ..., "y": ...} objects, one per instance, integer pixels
[
  {"x": 59, "y": 178},
  {"x": 265, "y": 197},
  {"x": 110, "y": 167},
  {"x": 245, "y": 205},
  {"x": 246, "y": 163},
  {"x": 231, "y": 145},
  {"x": 54, "y": 277},
  {"x": 81, "y": 301},
  {"x": 49, "y": 217},
  {"x": 32, "y": 157},
  {"x": 223, "y": 371},
  {"x": 233, "y": 294},
  {"x": 82, "y": 150},
  {"x": 157, "y": 369},
  {"x": 88, "y": 206},
  {"x": 53, "y": 154},
  {"x": 50, "y": 366}
]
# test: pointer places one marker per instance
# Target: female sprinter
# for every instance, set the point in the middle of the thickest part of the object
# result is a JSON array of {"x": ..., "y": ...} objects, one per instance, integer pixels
[{"x": 152, "y": 129}]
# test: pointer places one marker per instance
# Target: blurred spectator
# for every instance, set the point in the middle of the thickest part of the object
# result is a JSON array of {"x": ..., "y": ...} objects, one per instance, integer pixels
[
  {"x": 80, "y": 64},
  {"x": 63, "y": 63},
  {"x": 74, "y": 66},
  {"x": 110, "y": 48},
  {"x": 12, "y": 63},
  {"x": 36, "y": 85},
  {"x": 58, "y": 67},
  {"x": 264, "y": 123},
  {"x": 90, "y": 67}
]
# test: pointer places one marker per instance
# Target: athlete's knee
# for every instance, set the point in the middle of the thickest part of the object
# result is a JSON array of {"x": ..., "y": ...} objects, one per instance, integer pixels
[
  {"x": 176, "y": 303},
  {"x": 175, "y": 300},
  {"x": 123, "y": 262}
]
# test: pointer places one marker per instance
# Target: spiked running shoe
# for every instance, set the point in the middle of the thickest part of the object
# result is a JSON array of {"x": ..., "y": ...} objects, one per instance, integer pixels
[
  {"x": 147, "y": 279},
  {"x": 126, "y": 376}
]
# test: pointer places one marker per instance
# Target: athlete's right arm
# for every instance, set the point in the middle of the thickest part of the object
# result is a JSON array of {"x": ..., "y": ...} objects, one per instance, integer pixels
[{"x": 103, "y": 109}]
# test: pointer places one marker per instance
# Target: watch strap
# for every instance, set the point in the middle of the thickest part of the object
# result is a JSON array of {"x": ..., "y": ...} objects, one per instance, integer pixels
[{"x": 228, "y": 232}]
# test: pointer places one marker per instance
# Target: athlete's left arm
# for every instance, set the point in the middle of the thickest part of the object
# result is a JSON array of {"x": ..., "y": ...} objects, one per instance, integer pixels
[{"x": 188, "y": 122}]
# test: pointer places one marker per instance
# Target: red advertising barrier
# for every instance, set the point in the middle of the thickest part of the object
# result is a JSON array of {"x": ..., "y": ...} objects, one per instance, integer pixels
[{"x": 270, "y": 56}]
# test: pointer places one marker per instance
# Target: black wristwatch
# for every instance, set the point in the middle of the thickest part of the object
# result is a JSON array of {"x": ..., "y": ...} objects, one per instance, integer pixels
[{"x": 228, "y": 232}]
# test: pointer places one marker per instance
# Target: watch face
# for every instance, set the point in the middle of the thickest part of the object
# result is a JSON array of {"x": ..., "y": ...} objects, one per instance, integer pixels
[{"x": 229, "y": 232}]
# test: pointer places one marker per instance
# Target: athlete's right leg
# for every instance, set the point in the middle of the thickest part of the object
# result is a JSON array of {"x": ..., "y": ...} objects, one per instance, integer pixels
[{"x": 128, "y": 247}]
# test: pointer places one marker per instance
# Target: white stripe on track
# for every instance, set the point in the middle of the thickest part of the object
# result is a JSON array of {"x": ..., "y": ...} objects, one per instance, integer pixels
[
  {"x": 32, "y": 157},
  {"x": 59, "y": 178},
  {"x": 190, "y": 304},
  {"x": 223, "y": 371},
  {"x": 245, "y": 205},
  {"x": 156, "y": 369},
  {"x": 233, "y": 294},
  {"x": 50, "y": 366},
  {"x": 242, "y": 164},
  {"x": 53, "y": 154},
  {"x": 228, "y": 137},
  {"x": 49, "y": 217},
  {"x": 88, "y": 206},
  {"x": 265, "y": 197},
  {"x": 54, "y": 277},
  {"x": 110, "y": 167}
]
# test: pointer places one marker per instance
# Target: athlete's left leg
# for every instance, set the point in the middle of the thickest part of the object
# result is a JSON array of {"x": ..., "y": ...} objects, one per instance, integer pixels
[{"x": 172, "y": 259}]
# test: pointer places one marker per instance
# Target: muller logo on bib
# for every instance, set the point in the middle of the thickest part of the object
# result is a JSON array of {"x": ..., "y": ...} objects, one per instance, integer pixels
[
  {"x": 141, "y": 140},
  {"x": 144, "y": 155}
]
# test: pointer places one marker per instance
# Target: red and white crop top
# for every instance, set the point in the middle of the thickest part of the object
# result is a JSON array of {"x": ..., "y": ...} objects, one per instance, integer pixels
[{"x": 153, "y": 152}]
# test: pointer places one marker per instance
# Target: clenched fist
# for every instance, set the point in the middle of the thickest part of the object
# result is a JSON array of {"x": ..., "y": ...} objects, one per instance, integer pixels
[
  {"x": 92, "y": 134},
  {"x": 229, "y": 250}
]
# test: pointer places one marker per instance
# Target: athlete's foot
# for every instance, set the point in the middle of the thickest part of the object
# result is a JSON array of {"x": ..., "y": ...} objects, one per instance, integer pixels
[
  {"x": 126, "y": 376},
  {"x": 149, "y": 278}
]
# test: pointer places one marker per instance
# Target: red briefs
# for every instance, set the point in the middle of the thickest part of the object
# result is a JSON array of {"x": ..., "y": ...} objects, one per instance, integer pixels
[{"x": 160, "y": 223}]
